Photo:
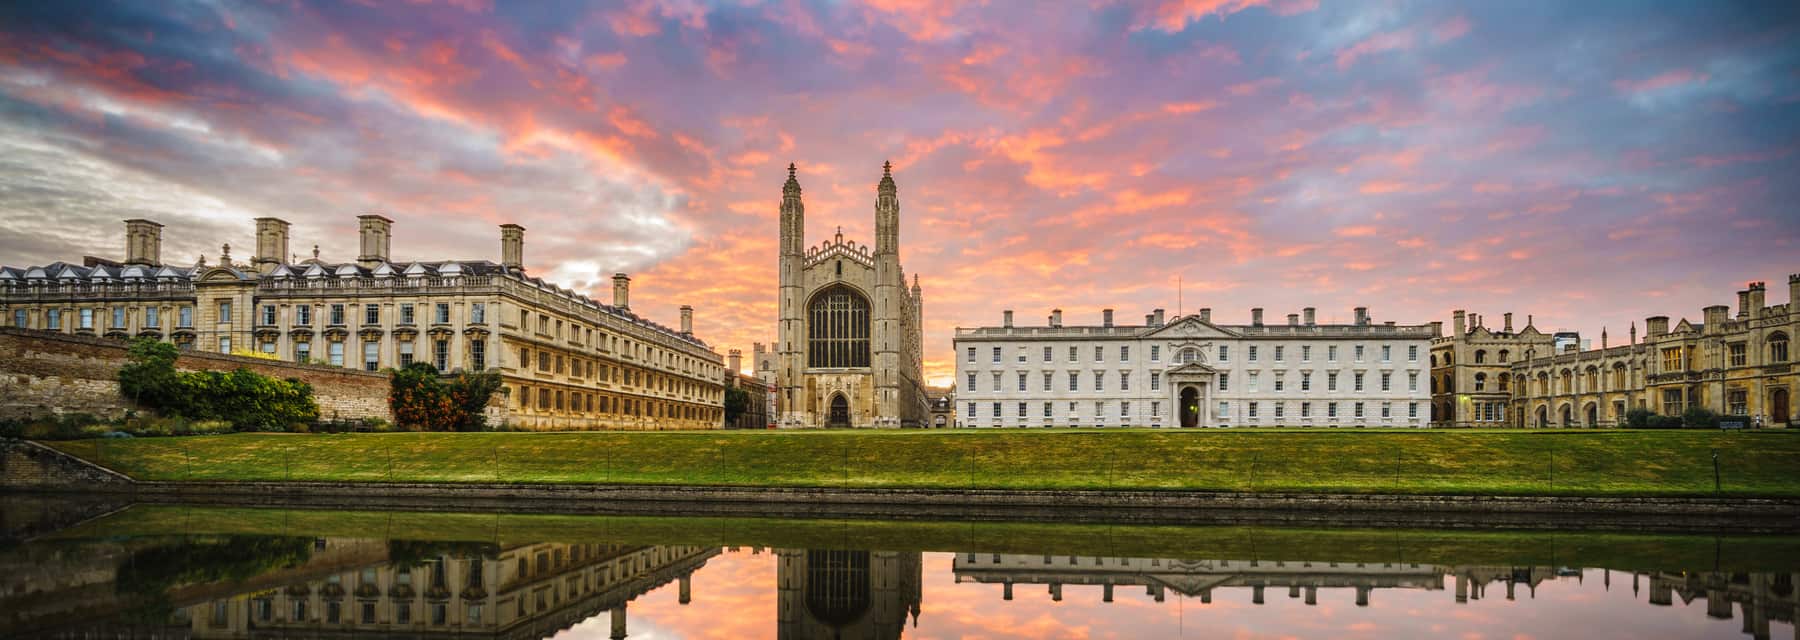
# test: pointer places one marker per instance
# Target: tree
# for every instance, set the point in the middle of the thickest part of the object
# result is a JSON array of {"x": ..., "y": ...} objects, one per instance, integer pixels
[
  {"x": 422, "y": 400},
  {"x": 737, "y": 401}
]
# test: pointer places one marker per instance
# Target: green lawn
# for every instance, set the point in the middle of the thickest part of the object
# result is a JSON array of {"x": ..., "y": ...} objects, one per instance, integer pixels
[{"x": 1362, "y": 461}]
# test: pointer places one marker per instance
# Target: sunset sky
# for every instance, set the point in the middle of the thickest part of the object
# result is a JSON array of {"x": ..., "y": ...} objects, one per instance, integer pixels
[{"x": 1591, "y": 163}]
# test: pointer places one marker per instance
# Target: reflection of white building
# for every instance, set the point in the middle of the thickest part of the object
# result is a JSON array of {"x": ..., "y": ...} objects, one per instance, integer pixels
[
  {"x": 527, "y": 592},
  {"x": 1192, "y": 578},
  {"x": 1190, "y": 372},
  {"x": 847, "y": 595}
]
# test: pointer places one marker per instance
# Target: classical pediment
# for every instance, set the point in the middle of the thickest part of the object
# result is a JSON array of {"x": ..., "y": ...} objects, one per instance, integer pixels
[
  {"x": 1191, "y": 584},
  {"x": 1191, "y": 369},
  {"x": 1190, "y": 328}
]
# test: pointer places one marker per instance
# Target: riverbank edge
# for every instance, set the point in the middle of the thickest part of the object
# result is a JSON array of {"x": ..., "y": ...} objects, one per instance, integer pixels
[{"x": 836, "y": 499}]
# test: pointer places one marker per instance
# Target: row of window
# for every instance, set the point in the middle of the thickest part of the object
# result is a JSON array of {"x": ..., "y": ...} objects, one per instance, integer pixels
[
  {"x": 585, "y": 336},
  {"x": 1252, "y": 409},
  {"x": 1224, "y": 381},
  {"x": 1191, "y": 354},
  {"x": 85, "y": 318},
  {"x": 371, "y": 313},
  {"x": 371, "y": 353},
  {"x": 598, "y": 403},
  {"x": 551, "y": 362}
]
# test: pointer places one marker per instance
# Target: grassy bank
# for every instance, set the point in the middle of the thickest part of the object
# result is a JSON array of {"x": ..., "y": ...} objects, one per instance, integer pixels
[
  {"x": 1490, "y": 548},
  {"x": 1602, "y": 463}
]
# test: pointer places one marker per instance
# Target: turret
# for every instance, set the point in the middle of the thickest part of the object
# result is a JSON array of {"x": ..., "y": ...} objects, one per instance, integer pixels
[
  {"x": 1758, "y": 294},
  {"x": 887, "y": 212},
  {"x": 789, "y": 336}
]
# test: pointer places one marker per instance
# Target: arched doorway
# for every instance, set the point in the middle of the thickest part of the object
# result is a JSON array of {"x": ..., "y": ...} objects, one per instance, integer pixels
[
  {"x": 1568, "y": 415},
  {"x": 1779, "y": 409},
  {"x": 1543, "y": 416},
  {"x": 840, "y": 411},
  {"x": 1190, "y": 407},
  {"x": 1593, "y": 414}
]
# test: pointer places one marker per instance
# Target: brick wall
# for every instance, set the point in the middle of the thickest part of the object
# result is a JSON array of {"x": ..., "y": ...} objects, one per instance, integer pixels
[{"x": 52, "y": 374}]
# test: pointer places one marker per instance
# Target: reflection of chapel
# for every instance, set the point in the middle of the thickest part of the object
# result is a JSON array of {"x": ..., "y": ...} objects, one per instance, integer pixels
[
  {"x": 847, "y": 595},
  {"x": 849, "y": 347}
]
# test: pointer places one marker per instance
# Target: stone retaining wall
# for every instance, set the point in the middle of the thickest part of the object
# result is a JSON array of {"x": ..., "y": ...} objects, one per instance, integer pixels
[
  {"x": 29, "y": 465},
  {"x": 44, "y": 374}
]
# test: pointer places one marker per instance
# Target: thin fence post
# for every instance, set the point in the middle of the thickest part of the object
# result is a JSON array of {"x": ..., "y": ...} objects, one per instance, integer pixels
[
  {"x": 496, "y": 463},
  {"x": 1715, "y": 461}
]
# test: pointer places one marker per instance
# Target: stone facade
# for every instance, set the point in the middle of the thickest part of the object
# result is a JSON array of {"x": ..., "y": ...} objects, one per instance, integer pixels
[
  {"x": 568, "y": 362},
  {"x": 757, "y": 415},
  {"x": 1733, "y": 364},
  {"x": 43, "y": 374},
  {"x": 1736, "y": 365},
  {"x": 849, "y": 348},
  {"x": 1190, "y": 372}
]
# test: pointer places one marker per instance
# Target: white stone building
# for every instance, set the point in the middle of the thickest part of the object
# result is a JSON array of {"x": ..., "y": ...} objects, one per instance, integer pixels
[{"x": 1191, "y": 372}]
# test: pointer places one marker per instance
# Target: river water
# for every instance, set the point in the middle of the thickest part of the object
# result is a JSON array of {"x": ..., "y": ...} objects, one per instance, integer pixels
[{"x": 152, "y": 571}]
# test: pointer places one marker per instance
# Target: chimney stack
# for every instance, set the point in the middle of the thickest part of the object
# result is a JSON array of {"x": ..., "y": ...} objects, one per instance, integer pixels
[
  {"x": 377, "y": 237},
  {"x": 1437, "y": 328},
  {"x": 1256, "y": 317},
  {"x": 512, "y": 247},
  {"x": 735, "y": 359},
  {"x": 1362, "y": 316},
  {"x": 143, "y": 242},
  {"x": 687, "y": 321},
  {"x": 1149, "y": 319},
  {"x": 1106, "y": 317},
  {"x": 1508, "y": 317},
  {"x": 1656, "y": 326},
  {"x": 1006, "y": 318},
  {"x": 1715, "y": 318},
  {"x": 271, "y": 244},
  {"x": 1293, "y": 319},
  {"x": 1458, "y": 323},
  {"x": 1794, "y": 293},
  {"x": 622, "y": 291},
  {"x": 1159, "y": 316},
  {"x": 1758, "y": 292},
  {"x": 1206, "y": 315},
  {"x": 1056, "y": 317},
  {"x": 1311, "y": 314}
]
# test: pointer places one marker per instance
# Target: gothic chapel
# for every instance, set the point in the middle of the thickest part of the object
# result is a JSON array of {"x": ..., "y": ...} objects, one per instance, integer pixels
[{"x": 849, "y": 351}]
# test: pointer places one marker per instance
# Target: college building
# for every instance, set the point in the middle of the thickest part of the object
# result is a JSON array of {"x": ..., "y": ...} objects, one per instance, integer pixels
[
  {"x": 1735, "y": 364},
  {"x": 1192, "y": 372},
  {"x": 567, "y": 361}
]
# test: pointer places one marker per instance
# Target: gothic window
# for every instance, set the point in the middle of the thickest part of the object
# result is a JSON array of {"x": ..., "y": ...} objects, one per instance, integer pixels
[
  {"x": 838, "y": 329},
  {"x": 1778, "y": 347}
]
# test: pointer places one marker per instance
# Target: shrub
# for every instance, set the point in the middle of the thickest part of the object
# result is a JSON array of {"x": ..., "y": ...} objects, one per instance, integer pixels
[
  {"x": 243, "y": 398},
  {"x": 1638, "y": 418},
  {"x": 422, "y": 400},
  {"x": 1700, "y": 418}
]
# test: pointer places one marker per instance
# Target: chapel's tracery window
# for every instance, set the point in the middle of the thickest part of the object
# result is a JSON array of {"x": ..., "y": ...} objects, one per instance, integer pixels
[{"x": 838, "y": 329}]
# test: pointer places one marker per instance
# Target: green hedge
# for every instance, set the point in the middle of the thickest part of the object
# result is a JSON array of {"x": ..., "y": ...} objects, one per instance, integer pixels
[{"x": 247, "y": 400}]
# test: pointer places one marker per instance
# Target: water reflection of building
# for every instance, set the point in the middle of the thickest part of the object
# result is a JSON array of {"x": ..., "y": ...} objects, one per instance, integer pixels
[
  {"x": 847, "y": 595},
  {"x": 1192, "y": 578},
  {"x": 527, "y": 591},
  {"x": 1761, "y": 597}
]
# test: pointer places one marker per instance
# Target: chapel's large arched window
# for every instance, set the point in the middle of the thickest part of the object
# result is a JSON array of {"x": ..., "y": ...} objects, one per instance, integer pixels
[{"x": 838, "y": 329}]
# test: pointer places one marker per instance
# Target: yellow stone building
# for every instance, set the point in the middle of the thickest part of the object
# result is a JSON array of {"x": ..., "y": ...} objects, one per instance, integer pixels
[
  {"x": 1733, "y": 364},
  {"x": 1736, "y": 365},
  {"x": 567, "y": 361}
]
